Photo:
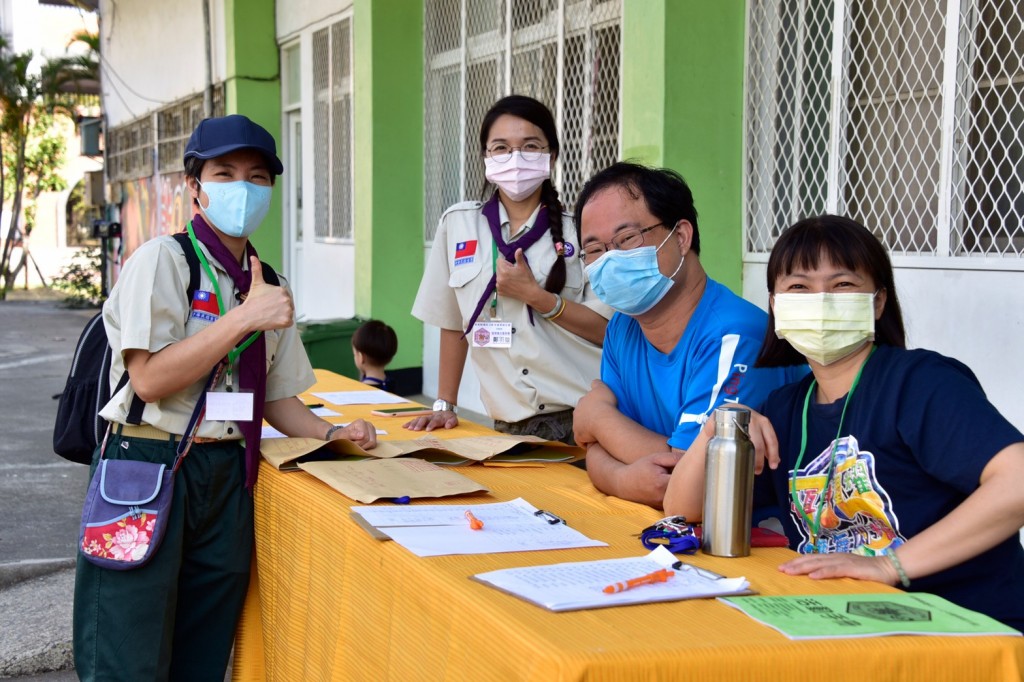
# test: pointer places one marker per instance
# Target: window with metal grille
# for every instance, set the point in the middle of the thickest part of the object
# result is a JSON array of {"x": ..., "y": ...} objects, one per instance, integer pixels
[
  {"x": 565, "y": 53},
  {"x": 130, "y": 150},
  {"x": 332, "y": 131},
  {"x": 905, "y": 115},
  {"x": 130, "y": 146},
  {"x": 174, "y": 125}
]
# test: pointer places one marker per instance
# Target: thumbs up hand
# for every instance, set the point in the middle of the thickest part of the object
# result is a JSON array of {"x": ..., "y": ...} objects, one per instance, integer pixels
[
  {"x": 266, "y": 306},
  {"x": 516, "y": 280}
]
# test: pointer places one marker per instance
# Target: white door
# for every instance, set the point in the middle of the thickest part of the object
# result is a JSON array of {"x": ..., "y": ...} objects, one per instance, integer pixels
[{"x": 293, "y": 208}]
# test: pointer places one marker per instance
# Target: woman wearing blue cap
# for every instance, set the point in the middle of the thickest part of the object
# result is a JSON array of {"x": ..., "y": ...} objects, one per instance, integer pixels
[{"x": 234, "y": 345}]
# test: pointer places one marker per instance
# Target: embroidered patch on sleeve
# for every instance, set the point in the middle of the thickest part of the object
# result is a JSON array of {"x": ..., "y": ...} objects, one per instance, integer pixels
[
  {"x": 465, "y": 252},
  {"x": 204, "y": 306}
]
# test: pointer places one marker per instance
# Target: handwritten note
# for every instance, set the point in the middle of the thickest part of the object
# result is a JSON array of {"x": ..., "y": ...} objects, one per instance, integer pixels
[
  {"x": 436, "y": 530},
  {"x": 580, "y": 585}
]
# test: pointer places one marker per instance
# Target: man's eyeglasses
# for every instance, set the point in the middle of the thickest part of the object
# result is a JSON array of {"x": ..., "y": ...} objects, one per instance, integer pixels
[
  {"x": 531, "y": 151},
  {"x": 623, "y": 241}
]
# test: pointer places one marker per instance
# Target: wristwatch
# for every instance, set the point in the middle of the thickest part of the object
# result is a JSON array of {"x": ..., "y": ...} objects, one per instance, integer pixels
[{"x": 441, "y": 405}]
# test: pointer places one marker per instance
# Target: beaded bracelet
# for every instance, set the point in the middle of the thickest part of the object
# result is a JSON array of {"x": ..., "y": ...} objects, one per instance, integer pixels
[
  {"x": 330, "y": 431},
  {"x": 904, "y": 580}
]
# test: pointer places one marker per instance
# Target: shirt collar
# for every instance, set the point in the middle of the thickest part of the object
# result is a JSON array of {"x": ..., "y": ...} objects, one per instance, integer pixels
[{"x": 505, "y": 225}]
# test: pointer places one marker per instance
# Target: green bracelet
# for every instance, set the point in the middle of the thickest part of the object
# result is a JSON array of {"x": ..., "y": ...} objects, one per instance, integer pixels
[{"x": 904, "y": 580}]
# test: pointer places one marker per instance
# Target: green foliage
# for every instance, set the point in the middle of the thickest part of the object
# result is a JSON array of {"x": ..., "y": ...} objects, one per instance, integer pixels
[
  {"x": 80, "y": 279},
  {"x": 45, "y": 154}
]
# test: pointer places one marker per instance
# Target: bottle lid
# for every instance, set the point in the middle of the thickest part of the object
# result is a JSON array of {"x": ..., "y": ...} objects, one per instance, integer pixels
[{"x": 729, "y": 416}]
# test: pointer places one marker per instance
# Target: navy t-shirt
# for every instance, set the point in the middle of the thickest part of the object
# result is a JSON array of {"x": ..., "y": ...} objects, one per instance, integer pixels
[{"x": 917, "y": 434}]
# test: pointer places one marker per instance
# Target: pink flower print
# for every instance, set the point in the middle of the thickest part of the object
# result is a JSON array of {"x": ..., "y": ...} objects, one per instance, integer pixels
[
  {"x": 93, "y": 547},
  {"x": 150, "y": 524},
  {"x": 129, "y": 543}
]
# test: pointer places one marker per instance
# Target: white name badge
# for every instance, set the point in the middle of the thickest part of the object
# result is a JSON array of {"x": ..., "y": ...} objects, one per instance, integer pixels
[
  {"x": 229, "y": 407},
  {"x": 492, "y": 334}
]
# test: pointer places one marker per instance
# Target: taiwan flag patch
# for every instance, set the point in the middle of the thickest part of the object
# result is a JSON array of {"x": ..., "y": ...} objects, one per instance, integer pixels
[
  {"x": 465, "y": 252},
  {"x": 204, "y": 306}
]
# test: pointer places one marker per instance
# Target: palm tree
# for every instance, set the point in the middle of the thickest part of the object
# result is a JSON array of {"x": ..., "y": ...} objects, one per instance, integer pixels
[{"x": 24, "y": 94}]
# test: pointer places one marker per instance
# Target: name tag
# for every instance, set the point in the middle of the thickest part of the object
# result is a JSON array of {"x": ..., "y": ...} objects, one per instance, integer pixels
[
  {"x": 492, "y": 334},
  {"x": 229, "y": 407}
]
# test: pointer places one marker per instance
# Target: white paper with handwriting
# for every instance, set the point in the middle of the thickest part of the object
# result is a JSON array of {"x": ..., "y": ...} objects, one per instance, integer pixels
[{"x": 436, "y": 530}]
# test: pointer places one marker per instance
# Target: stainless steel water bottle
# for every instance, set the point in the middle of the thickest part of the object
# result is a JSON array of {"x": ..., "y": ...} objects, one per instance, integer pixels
[{"x": 728, "y": 485}]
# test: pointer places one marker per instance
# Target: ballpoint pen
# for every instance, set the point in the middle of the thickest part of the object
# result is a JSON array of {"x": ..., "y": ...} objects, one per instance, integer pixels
[
  {"x": 474, "y": 522},
  {"x": 313, "y": 406},
  {"x": 659, "y": 576}
]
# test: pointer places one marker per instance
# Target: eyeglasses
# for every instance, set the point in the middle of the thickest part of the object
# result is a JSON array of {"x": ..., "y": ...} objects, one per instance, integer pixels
[
  {"x": 623, "y": 241},
  {"x": 531, "y": 151}
]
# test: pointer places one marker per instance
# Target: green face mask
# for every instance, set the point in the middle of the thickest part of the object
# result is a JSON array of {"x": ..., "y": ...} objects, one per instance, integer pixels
[{"x": 825, "y": 327}]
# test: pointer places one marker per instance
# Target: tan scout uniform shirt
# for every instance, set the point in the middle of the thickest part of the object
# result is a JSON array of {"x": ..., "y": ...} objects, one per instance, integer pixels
[
  {"x": 148, "y": 310},
  {"x": 547, "y": 369}
]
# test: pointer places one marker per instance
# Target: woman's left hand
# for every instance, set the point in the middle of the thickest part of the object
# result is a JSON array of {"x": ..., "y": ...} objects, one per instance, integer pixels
[
  {"x": 843, "y": 565},
  {"x": 516, "y": 280}
]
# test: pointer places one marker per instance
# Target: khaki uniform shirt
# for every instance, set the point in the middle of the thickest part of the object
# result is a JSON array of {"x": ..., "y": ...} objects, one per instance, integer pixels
[
  {"x": 547, "y": 369},
  {"x": 148, "y": 310}
]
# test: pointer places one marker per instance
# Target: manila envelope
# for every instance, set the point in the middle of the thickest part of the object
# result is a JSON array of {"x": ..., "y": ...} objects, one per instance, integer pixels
[{"x": 370, "y": 480}]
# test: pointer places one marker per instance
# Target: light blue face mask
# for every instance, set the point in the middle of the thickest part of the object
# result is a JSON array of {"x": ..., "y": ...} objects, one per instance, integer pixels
[
  {"x": 236, "y": 208},
  {"x": 630, "y": 281}
]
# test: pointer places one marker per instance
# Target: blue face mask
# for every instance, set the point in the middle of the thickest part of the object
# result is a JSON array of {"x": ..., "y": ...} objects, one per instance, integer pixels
[
  {"x": 630, "y": 281},
  {"x": 236, "y": 208}
]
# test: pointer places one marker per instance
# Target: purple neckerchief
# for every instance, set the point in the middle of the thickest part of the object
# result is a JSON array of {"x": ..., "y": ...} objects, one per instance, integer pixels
[
  {"x": 532, "y": 236},
  {"x": 252, "y": 363}
]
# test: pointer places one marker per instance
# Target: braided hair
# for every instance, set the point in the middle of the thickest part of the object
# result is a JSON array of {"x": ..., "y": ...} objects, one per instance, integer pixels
[{"x": 533, "y": 111}]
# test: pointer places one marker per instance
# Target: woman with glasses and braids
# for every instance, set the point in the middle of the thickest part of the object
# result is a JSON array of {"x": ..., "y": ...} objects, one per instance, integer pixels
[{"x": 505, "y": 284}]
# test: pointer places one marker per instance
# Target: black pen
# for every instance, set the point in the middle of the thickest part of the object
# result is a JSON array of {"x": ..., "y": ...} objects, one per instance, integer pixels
[{"x": 313, "y": 406}]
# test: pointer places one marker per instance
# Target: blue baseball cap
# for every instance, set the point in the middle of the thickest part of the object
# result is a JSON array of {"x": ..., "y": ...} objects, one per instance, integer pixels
[{"x": 215, "y": 137}]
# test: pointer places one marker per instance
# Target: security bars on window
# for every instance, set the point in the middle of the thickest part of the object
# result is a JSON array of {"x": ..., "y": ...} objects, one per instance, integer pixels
[
  {"x": 566, "y": 53},
  {"x": 332, "y": 131},
  {"x": 905, "y": 115}
]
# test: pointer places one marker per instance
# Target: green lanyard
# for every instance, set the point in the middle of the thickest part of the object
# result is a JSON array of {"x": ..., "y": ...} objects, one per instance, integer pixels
[
  {"x": 814, "y": 526},
  {"x": 494, "y": 266},
  {"x": 235, "y": 352}
]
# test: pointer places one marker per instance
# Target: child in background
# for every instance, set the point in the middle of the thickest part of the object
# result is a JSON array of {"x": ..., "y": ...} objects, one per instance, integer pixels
[{"x": 374, "y": 344}]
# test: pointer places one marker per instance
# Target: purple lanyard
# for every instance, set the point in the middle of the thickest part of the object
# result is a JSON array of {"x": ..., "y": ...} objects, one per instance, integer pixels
[{"x": 532, "y": 236}]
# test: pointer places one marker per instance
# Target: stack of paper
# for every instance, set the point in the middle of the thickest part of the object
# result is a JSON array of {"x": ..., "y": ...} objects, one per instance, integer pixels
[
  {"x": 435, "y": 530},
  {"x": 581, "y": 585}
]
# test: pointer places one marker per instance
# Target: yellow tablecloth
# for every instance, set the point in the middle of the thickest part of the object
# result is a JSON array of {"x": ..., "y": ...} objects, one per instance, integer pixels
[{"x": 329, "y": 602}]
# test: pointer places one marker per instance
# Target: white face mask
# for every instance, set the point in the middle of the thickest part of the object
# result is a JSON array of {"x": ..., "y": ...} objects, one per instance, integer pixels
[
  {"x": 517, "y": 177},
  {"x": 825, "y": 327}
]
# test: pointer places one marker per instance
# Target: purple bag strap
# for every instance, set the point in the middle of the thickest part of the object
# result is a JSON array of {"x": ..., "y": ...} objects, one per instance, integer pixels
[{"x": 198, "y": 412}]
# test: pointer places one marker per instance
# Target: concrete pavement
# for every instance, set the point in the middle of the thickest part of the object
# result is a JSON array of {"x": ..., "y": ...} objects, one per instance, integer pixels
[{"x": 40, "y": 494}]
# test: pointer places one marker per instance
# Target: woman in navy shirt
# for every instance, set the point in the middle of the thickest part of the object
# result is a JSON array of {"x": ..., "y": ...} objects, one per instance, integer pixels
[{"x": 892, "y": 464}]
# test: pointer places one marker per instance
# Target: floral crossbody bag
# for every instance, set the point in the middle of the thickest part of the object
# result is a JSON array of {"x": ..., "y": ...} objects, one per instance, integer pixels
[{"x": 128, "y": 504}]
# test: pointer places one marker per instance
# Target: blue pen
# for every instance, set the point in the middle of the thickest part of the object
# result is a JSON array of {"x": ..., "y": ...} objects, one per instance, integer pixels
[{"x": 404, "y": 499}]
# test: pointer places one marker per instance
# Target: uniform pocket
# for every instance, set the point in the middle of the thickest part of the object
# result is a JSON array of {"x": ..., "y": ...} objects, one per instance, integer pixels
[{"x": 462, "y": 275}]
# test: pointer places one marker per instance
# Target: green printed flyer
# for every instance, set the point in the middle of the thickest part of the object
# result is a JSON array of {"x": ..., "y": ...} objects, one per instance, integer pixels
[{"x": 827, "y": 616}]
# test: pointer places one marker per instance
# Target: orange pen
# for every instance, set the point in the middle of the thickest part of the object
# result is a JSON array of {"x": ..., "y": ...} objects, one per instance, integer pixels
[
  {"x": 658, "y": 576},
  {"x": 474, "y": 522}
]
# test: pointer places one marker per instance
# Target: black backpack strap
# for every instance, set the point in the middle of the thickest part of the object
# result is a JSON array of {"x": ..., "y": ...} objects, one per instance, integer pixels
[
  {"x": 269, "y": 276},
  {"x": 193, "y": 263},
  {"x": 137, "y": 406}
]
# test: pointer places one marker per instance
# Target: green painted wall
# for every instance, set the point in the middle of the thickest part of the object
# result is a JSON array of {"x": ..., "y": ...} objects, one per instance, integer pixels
[
  {"x": 388, "y": 167},
  {"x": 253, "y": 88},
  {"x": 682, "y": 97}
]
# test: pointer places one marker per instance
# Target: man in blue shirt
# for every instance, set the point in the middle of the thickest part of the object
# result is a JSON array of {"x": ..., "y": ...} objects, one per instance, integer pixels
[{"x": 679, "y": 345}]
